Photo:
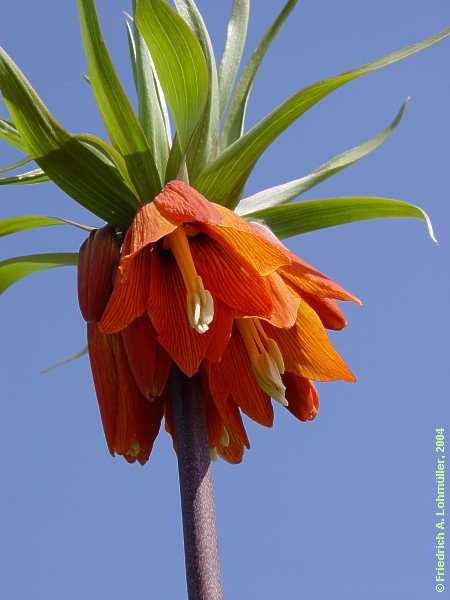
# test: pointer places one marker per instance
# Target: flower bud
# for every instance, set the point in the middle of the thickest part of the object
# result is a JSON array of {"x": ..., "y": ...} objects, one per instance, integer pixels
[{"x": 98, "y": 258}]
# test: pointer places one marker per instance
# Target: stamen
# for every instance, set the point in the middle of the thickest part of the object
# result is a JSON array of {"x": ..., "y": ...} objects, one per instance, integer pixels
[
  {"x": 265, "y": 357},
  {"x": 275, "y": 353},
  {"x": 272, "y": 347},
  {"x": 200, "y": 304}
]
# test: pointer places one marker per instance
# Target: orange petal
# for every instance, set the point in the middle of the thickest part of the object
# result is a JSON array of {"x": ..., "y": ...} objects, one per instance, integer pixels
[
  {"x": 301, "y": 274},
  {"x": 232, "y": 220},
  {"x": 214, "y": 421},
  {"x": 235, "y": 282},
  {"x": 285, "y": 303},
  {"x": 131, "y": 423},
  {"x": 266, "y": 233},
  {"x": 298, "y": 265},
  {"x": 130, "y": 294},
  {"x": 234, "y": 452},
  {"x": 231, "y": 416},
  {"x": 149, "y": 362},
  {"x": 247, "y": 247},
  {"x": 219, "y": 331},
  {"x": 148, "y": 227},
  {"x": 328, "y": 310},
  {"x": 181, "y": 203},
  {"x": 104, "y": 372},
  {"x": 302, "y": 397},
  {"x": 228, "y": 411},
  {"x": 234, "y": 422},
  {"x": 306, "y": 349},
  {"x": 239, "y": 238},
  {"x": 138, "y": 419},
  {"x": 302, "y": 278},
  {"x": 98, "y": 259},
  {"x": 167, "y": 310},
  {"x": 233, "y": 376}
]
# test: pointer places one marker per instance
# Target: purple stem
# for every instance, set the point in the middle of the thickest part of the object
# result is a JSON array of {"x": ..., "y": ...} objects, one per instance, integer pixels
[{"x": 196, "y": 489}]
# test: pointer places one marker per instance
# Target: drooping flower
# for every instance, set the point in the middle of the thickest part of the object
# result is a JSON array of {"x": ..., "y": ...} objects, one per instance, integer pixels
[
  {"x": 195, "y": 284},
  {"x": 221, "y": 297},
  {"x": 131, "y": 423}
]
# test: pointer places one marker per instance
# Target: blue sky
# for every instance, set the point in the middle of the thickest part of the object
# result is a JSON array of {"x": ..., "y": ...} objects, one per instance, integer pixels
[{"x": 341, "y": 507}]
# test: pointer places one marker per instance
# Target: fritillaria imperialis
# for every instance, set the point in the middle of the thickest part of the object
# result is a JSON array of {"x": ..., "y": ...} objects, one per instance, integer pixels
[
  {"x": 188, "y": 279},
  {"x": 217, "y": 295}
]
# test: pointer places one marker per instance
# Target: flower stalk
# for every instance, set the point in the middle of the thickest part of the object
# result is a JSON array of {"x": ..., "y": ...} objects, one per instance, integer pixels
[{"x": 201, "y": 550}]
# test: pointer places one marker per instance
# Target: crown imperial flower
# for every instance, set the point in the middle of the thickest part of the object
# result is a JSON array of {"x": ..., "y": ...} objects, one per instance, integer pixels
[
  {"x": 196, "y": 312},
  {"x": 199, "y": 286},
  {"x": 174, "y": 278}
]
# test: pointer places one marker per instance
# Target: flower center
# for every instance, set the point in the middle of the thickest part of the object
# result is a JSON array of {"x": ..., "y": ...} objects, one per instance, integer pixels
[
  {"x": 200, "y": 305},
  {"x": 265, "y": 357}
]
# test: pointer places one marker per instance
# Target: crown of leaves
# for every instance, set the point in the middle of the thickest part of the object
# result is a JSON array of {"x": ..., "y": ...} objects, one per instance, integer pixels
[{"x": 175, "y": 71}]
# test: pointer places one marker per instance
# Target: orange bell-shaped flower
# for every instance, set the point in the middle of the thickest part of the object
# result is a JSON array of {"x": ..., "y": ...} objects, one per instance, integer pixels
[
  {"x": 123, "y": 366},
  {"x": 221, "y": 297}
]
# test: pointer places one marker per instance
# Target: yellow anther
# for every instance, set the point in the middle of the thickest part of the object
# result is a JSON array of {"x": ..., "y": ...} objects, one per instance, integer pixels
[
  {"x": 272, "y": 347},
  {"x": 199, "y": 302},
  {"x": 269, "y": 377},
  {"x": 275, "y": 353},
  {"x": 265, "y": 357}
]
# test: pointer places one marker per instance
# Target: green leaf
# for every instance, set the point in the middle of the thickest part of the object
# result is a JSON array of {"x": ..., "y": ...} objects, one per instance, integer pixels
[
  {"x": 17, "y": 165},
  {"x": 176, "y": 165},
  {"x": 39, "y": 130},
  {"x": 108, "y": 154},
  {"x": 224, "y": 179},
  {"x": 9, "y": 133},
  {"x": 23, "y": 223},
  {"x": 74, "y": 165},
  {"x": 204, "y": 145},
  {"x": 234, "y": 123},
  {"x": 301, "y": 217},
  {"x": 67, "y": 359},
  {"x": 29, "y": 178},
  {"x": 233, "y": 51},
  {"x": 153, "y": 113},
  {"x": 14, "y": 269},
  {"x": 91, "y": 181},
  {"x": 285, "y": 192},
  {"x": 179, "y": 62},
  {"x": 122, "y": 124}
]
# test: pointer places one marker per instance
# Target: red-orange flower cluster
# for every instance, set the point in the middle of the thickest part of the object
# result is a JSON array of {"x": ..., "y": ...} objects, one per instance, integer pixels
[{"x": 195, "y": 284}]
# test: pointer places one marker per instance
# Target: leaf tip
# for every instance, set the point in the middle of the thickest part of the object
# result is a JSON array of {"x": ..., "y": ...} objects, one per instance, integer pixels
[
  {"x": 65, "y": 361},
  {"x": 429, "y": 225}
]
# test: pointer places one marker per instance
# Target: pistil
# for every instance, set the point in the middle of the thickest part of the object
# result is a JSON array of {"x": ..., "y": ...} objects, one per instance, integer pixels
[
  {"x": 265, "y": 357},
  {"x": 200, "y": 304}
]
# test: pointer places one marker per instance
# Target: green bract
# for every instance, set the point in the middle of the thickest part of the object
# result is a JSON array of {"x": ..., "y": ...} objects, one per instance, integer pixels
[
  {"x": 13, "y": 269},
  {"x": 175, "y": 70}
]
